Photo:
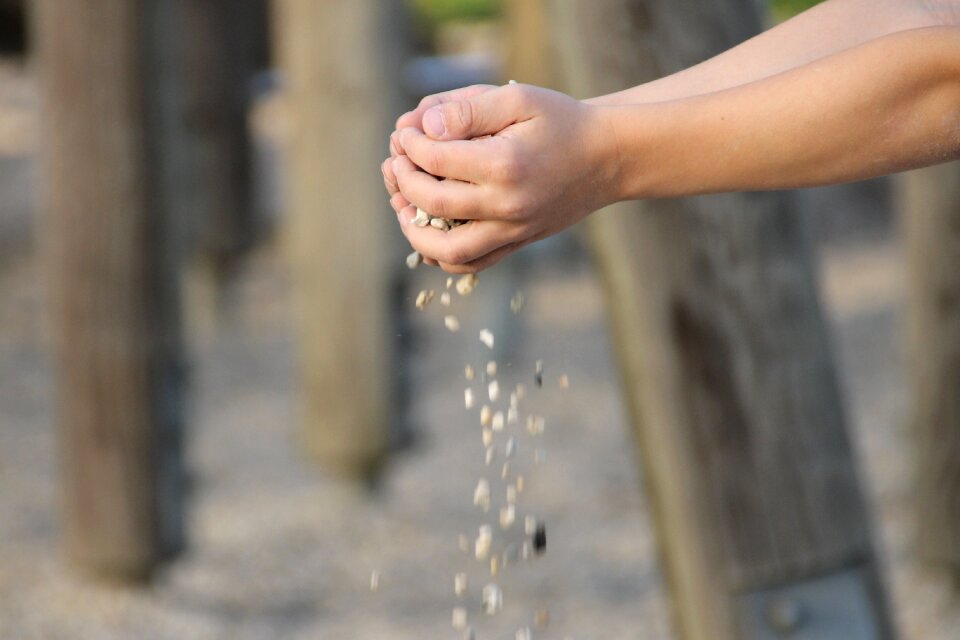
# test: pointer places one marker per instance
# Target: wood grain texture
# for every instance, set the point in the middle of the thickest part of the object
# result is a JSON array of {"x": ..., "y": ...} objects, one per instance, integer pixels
[
  {"x": 725, "y": 356},
  {"x": 341, "y": 64},
  {"x": 113, "y": 285},
  {"x": 930, "y": 208}
]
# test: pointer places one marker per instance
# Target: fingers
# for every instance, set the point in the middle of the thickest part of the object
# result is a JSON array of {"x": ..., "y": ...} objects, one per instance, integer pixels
[
  {"x": 395, "y": 148},
  {"x": 484, "y": 262},
  {"x": 398, "y": 202},
  {"x": 458, "y": 118},
  {"x": 460, "y": 245},
  {"x": 467, "y": 160},
  {"x": 447, "y": 186},
  {"x": 389, "y": 178},
  {"x": 483, "y": 114},
  {"x": 414, "y": 117},
  {"x": 450, "y": 199}
]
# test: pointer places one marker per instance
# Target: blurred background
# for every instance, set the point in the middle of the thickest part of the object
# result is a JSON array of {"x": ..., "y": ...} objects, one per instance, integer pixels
[{"x": 220, "y": 410}]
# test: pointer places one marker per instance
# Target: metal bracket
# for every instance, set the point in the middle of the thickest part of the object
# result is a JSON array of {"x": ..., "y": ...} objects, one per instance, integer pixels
[{"x": 837, "y": 606}]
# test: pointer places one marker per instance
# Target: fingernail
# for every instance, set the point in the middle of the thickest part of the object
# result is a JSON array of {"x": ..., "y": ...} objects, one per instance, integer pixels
[
  {"x": 433, "y": 123},
  {"x": 396, "y": 165}
]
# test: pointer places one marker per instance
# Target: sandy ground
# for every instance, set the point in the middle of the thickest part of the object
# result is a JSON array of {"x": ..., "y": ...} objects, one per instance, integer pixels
[{"x": 280, "y": 551}]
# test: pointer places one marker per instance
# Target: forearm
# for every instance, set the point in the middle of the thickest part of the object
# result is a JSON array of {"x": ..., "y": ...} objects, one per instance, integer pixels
[
  {"x": 824, "y": 30},
  {"x": 884, "y": 106}
]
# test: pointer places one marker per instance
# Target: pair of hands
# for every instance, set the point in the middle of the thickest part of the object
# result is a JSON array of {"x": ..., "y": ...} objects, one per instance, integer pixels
[{"x": 519, "y": 162}]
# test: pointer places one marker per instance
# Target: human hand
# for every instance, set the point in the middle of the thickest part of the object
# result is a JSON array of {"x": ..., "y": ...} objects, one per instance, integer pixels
[
  {"x": 548, "y": 161},
  {"x": 414, "y": 117}
]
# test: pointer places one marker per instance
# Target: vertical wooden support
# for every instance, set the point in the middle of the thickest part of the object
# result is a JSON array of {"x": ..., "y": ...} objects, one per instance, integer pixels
[
  {"x": 225, "y": 43},
  {"x": 222, "y": 44},
  {"x": 340, "y": 62},
  {"x": 727, "y": 368},
  {"x": 529, "y": 50},
  {"x": 113, "y": 270},
  {"x": 930, "y": 208}
]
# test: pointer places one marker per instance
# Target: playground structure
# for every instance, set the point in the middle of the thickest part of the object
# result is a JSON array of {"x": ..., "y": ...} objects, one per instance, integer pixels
[{"x": 726, "y": 364}]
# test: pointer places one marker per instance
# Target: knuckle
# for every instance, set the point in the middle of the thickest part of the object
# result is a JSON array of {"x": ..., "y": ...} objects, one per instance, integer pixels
[
  {"x": 514, "y": 207},
  {"x": 519, "y": 94},
  {"x": 437, "y": 206},
  {"x": 456, "y": 269},
  {"x": 501, "y": 168},
  {"x": 462, "y": 113},
  {"x": 456, "y": 256},
  {"x": 518, "y": 232},
  {"x": 508, "y": 168},
  {"x": 433, "y": 159}
]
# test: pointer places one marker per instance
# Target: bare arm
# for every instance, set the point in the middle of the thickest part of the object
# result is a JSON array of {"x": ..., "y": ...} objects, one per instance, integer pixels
[
  {"x": 884, "y": 106},
  {"x": 826, "y": 29}
]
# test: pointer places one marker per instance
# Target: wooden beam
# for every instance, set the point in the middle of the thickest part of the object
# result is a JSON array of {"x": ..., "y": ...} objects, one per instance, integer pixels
[
  {"x": 113, "y": 273},
  {"x": 341, "y": 60},
  {"x": 930, "y": 209},
  {"x": 530, "y": 55},
  {"x": 725, "y": 358},
  {"x": 225, "y": 43}
]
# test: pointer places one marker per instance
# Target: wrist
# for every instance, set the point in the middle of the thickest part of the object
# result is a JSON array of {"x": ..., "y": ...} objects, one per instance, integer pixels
[
  {"x": 604, "y": 155},
  {"x": 637, "y": 165}
]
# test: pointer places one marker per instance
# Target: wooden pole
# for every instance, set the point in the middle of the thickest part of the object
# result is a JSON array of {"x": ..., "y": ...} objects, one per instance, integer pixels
[
  {"x": 930, "y": 207},
  {"x": 727, "y": 368},
  {"x": 225, "y": 43},
  {"x": 529, "y": 47},
  {"x": 113, "y": 270},
  {"x": 340, "y": 60}
]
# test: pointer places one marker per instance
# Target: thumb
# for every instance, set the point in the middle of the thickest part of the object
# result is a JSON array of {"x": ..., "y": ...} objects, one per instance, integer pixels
[{"x": 481, "y": 115}]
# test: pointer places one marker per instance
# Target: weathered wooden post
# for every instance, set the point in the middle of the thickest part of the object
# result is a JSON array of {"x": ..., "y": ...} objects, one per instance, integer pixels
[
  {"x": 225, "y": 43},
  {"x": 727, "y": 368},
  {"x": 529, "y": 48},
  {"x": 930, "y": 208},
  {"x": 110, "y": 175},
  {"x": 341, "y": 60}
]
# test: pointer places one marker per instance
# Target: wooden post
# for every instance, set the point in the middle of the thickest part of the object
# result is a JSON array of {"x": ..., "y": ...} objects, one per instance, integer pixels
[
  {"x": 340, "y": 60},
  {"x": 930, "y": 207},
  {"x": 12, "y": 27},
  {"x": 529, "y": 47},
  {"x": 225, "y": 43},
  {"x": 113, "y": 270},
  {"x": 727, "y": 368}
]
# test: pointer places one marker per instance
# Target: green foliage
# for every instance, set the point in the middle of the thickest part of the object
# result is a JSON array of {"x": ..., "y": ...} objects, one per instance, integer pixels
[
  {"x": 784, "y": 9},
  {"x": 434, "y": 12}
]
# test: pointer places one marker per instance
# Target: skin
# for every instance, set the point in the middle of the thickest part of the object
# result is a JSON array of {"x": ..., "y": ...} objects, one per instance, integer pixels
[{"x": 848, "y": 90}]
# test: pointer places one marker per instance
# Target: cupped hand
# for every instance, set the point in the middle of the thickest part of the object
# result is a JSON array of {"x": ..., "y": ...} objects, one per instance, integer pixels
[
  {"x": 543, "y": 162},
  {"x": 414, "y": 117}
]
